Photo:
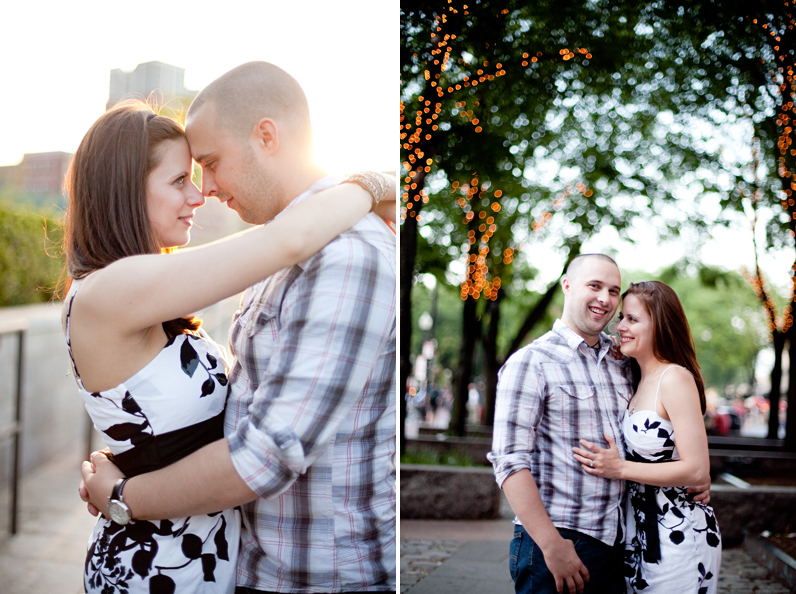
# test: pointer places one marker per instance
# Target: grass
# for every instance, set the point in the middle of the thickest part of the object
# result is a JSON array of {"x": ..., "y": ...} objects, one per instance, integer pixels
[{"x": 452, "y": 458}]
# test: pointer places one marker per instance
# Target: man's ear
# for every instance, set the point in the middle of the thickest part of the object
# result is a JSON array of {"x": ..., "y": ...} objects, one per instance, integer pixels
[
  {"x": 266, "y": 135},
  {"x": 565, "y": 285}
]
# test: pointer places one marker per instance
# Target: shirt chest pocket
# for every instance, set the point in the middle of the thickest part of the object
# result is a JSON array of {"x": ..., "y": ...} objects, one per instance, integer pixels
[
  {"x": 263, "y": 330},
  {"x": 579, "y": 408},
  {"x": 259, "y": 333}
]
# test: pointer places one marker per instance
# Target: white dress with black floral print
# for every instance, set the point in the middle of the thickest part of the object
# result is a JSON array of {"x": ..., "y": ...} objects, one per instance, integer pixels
[
  {"x": 687, "y": 556},
  {"x": 170, "y": 408}
]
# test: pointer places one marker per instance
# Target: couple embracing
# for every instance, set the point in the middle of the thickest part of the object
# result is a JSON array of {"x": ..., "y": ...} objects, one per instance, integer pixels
[
  {"x": 274, "y": 471},
  {"x": 594, "y": 447}
]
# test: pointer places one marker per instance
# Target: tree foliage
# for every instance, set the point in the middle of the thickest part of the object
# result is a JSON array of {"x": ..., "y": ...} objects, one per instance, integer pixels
[
  {"x": 555, "y": 119},
  {"x": 30, "y": 262}
]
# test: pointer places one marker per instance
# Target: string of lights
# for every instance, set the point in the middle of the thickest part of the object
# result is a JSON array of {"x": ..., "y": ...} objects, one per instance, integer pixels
[
  {"x": 782, "y": 75},
  {"x": 418, "y": 129}
]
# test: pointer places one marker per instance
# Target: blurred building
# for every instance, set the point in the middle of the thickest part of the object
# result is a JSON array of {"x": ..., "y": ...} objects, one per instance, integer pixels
[
  {"x": 165, "y": 80},
  {"x": 38, "y": 179}
]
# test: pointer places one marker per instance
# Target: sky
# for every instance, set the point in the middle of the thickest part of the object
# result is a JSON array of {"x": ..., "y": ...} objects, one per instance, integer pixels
[{"x": 57, "y": 58}]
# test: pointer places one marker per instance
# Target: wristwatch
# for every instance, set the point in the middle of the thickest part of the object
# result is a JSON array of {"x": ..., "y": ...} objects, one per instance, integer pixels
[{"x": 117, "y": 509}]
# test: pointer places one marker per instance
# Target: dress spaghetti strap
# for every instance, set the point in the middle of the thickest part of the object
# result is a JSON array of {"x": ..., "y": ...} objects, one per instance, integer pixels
[{"x": 655, "y": 405}]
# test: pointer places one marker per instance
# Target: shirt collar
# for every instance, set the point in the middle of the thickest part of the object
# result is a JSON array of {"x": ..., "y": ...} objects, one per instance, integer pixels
[{"x": 574, "y": 340}]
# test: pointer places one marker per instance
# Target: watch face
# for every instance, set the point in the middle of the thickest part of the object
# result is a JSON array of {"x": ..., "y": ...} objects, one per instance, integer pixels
[{"x": 118, "y": 512}]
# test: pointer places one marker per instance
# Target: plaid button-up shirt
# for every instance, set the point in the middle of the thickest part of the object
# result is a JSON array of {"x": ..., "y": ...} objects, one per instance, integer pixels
[
  {"x": 311, "y": 417},
  {"x": 552, "y": 393}
]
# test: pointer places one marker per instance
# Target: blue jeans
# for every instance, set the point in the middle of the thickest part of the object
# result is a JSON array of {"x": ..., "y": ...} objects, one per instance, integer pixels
[{"x": 531, "y": 576}]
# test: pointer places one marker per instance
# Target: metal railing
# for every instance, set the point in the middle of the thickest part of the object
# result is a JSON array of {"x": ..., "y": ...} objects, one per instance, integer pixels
[{"x": 14, "y": 429}]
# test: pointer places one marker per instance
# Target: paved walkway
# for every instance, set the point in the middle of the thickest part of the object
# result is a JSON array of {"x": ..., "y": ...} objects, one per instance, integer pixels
[
  {"x": 47, "y": 554},
  {"x": 458, "y": 557}
]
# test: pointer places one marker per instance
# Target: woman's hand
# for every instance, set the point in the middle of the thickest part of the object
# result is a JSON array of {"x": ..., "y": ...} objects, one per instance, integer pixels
[
  {"x": 99, "y": 476},
  {"x": 88, "y": 470},
  {"x": 616, "y": 347},
  {"x": 599, "y": 461}
]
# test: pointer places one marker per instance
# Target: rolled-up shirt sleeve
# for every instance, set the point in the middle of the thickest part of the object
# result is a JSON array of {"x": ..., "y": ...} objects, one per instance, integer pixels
[
  {"x": 519, "y": 408},
  {"x": 332, "y": 326}
]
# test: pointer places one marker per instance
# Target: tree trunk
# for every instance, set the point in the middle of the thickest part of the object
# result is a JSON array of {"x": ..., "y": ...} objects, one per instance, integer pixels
[
  {"x": 408, "y": 245},
  {"x": 776, "y": 385},
  {"x": 790, "y": 421},
  {"x": 491, "y": 362},
  {"x": 470, "y": 331}
]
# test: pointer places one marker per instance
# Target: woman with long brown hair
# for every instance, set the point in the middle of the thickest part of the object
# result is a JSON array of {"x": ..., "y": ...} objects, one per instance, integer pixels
[
  {"x": 154, "y": 384},
  {"x": 672, "y": 544}
]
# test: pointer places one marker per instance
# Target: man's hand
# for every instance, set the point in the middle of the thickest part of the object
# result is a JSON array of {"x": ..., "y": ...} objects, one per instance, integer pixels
[
  {"x": 566, "y": 567},
  {"x": 99, "y": 476},
  {"x": 702, "y": 492}
]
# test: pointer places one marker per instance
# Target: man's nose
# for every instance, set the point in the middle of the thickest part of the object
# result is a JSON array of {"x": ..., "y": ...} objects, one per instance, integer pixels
[{"x": 208, "y": 184}]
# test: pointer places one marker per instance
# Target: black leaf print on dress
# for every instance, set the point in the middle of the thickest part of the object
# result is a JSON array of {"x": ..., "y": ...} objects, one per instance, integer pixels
[
  {"x": 648, "y": 425},
  {"x": 166, "y": 528},
  {"x": 676, "y": 537},
  {"x": 208, "y": 567},
  {"x": 161, "y": 584},
  {"x": 207, "y": 387},
  {"x": 132, "y": 431},
  {"x": 222, "y": 548},
  {"x": 189, "y": 360},
  {"x": 191, "y": 546},
  {"x": 142, "y": 562},
  {"x": 129, "y": 404},
  {"x": 108, "y": 568}
]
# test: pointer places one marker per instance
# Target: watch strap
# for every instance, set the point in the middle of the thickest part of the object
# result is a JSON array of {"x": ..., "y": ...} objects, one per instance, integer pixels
[{"x": 116, "y": 492}]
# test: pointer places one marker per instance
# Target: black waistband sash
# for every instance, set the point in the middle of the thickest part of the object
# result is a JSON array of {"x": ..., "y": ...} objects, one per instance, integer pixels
[
  {"x": 652, "y": 552},
  {"x": 161, "y": 450},
  {"x": 649, "y": 505}
]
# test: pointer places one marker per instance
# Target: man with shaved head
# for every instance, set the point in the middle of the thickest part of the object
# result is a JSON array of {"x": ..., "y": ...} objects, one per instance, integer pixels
[
  {"x": 310, "y": 421},
  {"x": 563, "y": 387}
]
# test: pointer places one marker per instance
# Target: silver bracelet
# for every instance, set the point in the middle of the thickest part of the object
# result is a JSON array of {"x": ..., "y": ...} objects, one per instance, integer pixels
[{"x": 373, "y": 182}]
